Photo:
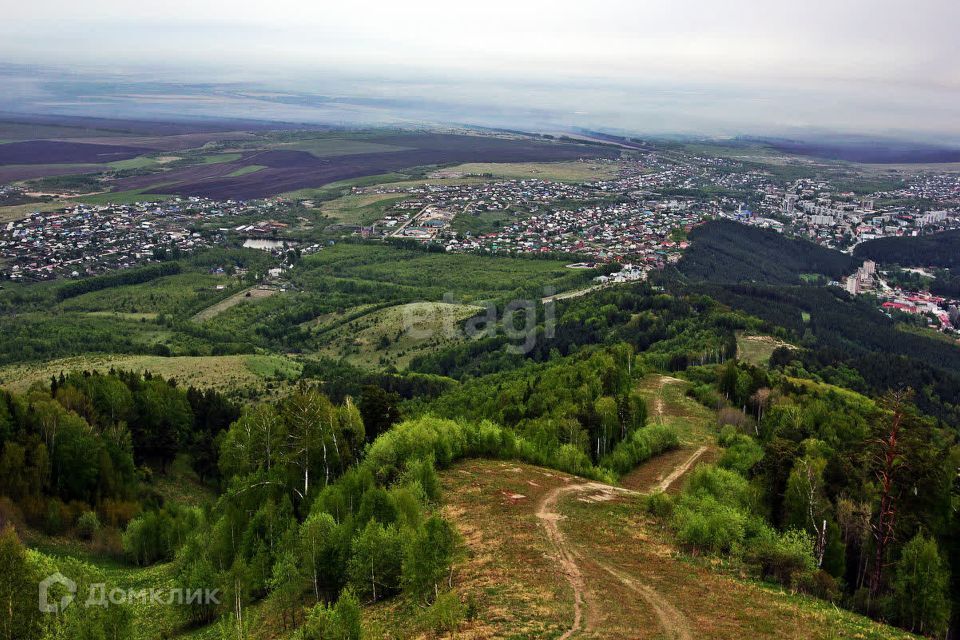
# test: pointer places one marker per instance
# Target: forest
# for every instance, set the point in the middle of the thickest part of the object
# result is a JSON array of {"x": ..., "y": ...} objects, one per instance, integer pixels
[{"x": 934, "y": 250}]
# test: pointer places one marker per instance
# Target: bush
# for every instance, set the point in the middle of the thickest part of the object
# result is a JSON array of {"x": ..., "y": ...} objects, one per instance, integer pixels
[
  {"x": 659, "y": 504},
  {"x": 445, "y": 614},
  {"x": 742, "y": 454},
  {"x": 782, "y": 557},
  {"x": 818, "y": 584},
  {"x": 88, "y": 524},
  {"x": 705, "y": 524},
  {"x": 727, "y": 487}
]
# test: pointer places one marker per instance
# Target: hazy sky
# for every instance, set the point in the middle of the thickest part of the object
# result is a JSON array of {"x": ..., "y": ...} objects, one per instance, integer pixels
[{"x": 696, "y": 65}]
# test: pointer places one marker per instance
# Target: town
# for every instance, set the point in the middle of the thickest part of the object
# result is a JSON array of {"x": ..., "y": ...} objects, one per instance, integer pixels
[
  {"x": 639, "y": 214},
  {"x": 86, "y": 240}
]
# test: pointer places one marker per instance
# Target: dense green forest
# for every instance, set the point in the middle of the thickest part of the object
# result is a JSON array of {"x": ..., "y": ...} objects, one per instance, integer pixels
[
  {"x": 934, "y": 250},
  {"x": 724, "y": 251}
]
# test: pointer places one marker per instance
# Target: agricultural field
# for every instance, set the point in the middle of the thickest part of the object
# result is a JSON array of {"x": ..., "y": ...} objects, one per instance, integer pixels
[
  {"x": 556, "y": 171},
  {"x": 327, "y": 146},
  {"x": 57, "y": 152},
  {"x": 223, "y": 373},
  {"x": 259, "y": 165},
  {"x": 19, "y": 172},
  {"x": 242, "y": 171}
]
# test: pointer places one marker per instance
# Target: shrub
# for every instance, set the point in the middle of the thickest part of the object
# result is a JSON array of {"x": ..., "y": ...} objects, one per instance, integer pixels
[
  {"x": 819, "y": 584},
  {"x": 727, "y": 434},
  {"x": 445, "y": 614},
  {"x": 782, "y": 557},
  {"x": 727, "y": 487},
  {"x": 88, "y": 524},
  {"x": 659, "y": 504},
  {"x": 572, "y": 459},
  {"x": 705, "y": 524},
  {"x": 742, "y": 454}
]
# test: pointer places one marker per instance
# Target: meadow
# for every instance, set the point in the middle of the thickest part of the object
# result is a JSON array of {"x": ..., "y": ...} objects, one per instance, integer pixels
[{"x": 248, "y": 373}]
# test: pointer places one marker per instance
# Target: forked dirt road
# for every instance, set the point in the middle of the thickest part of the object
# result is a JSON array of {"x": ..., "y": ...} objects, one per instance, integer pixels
[{"x": 673, "y": 622}]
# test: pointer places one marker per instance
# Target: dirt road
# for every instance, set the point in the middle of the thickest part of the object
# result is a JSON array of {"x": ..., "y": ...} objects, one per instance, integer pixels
[{"x": 671, "y": 619}]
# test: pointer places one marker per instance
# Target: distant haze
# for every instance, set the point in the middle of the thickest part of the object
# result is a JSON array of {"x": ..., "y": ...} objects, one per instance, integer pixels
[{"x": 684, "y": 66}]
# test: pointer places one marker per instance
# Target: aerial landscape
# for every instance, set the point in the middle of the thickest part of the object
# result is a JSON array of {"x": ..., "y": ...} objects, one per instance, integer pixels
[{"x": 540, "y": 320}]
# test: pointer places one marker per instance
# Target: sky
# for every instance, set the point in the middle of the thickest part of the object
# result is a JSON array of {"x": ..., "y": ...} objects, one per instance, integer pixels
[{"x": 686, "y": 66}]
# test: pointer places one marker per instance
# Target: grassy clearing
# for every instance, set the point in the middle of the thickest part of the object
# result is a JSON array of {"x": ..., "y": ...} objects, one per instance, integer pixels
[
  {"x": 429, "y": 276},
  {"x": 481, "y": 222},
  {"x": 21, "y": 211},
  {"x": 225, "y": 373},
  {"x": 249, "y": 295},
  {"x": 395, "y": 335},
  {"x": 134, "y": 317},
  {"x": 757, "y": 349},
  {"x": 217, "y": 158},
  {"x": 176, "y": 295},
  {"x": 359, "y": 209},
  {"x": 559, "y": 171}
]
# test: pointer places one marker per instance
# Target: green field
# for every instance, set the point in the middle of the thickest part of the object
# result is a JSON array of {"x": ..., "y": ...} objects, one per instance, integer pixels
[
  {"x": 757, "y": 349},
  {"x": 395, "y": 335},
  {"x": 359, "y": 209},
  {"x": 20, "y": 211},
  {"x": 558, "y": 171},
  {"x": 176, "y": 295},
  {"x": 242, "y": 171},
  {"x": 224, "y": 373},
  {"x": 217, "y": 158}
]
